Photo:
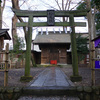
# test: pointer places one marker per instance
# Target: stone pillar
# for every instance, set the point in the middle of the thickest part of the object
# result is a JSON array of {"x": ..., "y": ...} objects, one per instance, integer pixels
[
  {"x": 75, "y": 77},
  {"x": 27, "y": 76}
]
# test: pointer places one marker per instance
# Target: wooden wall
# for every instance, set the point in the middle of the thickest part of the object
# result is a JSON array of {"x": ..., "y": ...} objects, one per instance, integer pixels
[
  {"x": 44, "y": 56},
  {"x": 53, "y": 53},
  {"x": 1, "y": 42},
  {"x": 63, "y": 56}
]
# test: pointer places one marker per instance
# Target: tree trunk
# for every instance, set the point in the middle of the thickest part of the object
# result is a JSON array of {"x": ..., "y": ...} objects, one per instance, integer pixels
[
  {"x": 15, "y": 5},
  {"x": 14, "y": 29},
  {"x": 33, "y": 61},
  {"x": 0, "y": 16}
]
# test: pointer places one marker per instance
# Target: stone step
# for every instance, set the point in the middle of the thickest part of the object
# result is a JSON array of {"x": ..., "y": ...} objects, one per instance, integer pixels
[{"x": 48, "y": 98}]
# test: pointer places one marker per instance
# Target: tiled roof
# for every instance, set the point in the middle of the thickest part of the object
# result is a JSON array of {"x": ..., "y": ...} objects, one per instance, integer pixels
[
  {"x": 4, "y": 33},
  {"x": 54, "y": 38}
]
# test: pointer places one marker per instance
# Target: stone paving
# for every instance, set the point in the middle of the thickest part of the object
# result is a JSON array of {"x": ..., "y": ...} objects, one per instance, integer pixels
[{"x": 50, "y": 77}]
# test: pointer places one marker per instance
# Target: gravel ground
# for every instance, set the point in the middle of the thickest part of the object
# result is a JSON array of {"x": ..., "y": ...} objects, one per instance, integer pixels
[
  {"x": 85, "y": 72},
  {"x": 15, "y": 74}
]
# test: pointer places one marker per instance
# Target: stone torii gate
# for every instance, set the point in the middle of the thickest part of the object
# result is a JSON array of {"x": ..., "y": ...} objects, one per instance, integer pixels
[{"x": 51, "y": 14}]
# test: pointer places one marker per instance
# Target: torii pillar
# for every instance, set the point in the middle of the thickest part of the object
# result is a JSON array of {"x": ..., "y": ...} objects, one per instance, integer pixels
[
  {"x": 75, "y": 77},
  {"x": 27, "y": 77}
]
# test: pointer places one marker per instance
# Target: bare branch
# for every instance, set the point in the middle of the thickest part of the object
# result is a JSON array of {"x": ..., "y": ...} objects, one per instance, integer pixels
[
  {"x": 66, "y": 4},
  {"x": 58, "y": 4},
  {"x": 24, "y": 2},
  {"x": 69, "y": 4},
  {"x": 76, "y": 5},
  {"x": 24, "y": 28},
  {"x": 3, "y": 5},
  {"x": 62, "y": 4},
  {"x": 49, "y": 5}
]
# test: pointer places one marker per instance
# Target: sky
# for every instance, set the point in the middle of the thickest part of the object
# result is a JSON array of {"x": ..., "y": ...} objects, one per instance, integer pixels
[{"x": 36, "y": 5}]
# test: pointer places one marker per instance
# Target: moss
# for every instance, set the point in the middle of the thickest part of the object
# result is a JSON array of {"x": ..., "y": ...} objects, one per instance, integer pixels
[
  {"x": 76, "y": 78},
  {"x": 26, "y": 78},
  {"x": 80, "y": 88},
  {"x": 87, "y": 89},
  {"x": 47, "y": 65}
]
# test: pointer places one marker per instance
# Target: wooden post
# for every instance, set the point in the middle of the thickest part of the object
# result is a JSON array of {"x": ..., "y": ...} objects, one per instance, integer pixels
[
  {"x": 91, "y": 44},
  {"x": 75, "y": 76},
  {"x": 6, "y": 66},
  {"x": 27, "y": 76},
  {"x": 92, "y": 64}
]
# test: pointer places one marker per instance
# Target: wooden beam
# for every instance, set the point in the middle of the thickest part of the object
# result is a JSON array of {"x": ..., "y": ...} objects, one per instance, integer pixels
[
  {"x": 35, "y": 24},
  {"x": 61, "y": 13}
]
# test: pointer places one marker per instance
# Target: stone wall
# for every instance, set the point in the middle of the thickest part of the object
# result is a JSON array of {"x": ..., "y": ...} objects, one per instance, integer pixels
[
  {"x": 10, "y": 93},
  {"x": 82, "y": 92}
]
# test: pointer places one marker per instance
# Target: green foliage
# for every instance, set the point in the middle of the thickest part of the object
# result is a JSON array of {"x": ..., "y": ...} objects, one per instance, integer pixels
[
  {"x": 97, "y": 15},
  {"x": 97, "y": 20},
  {"x": 82, "y": 48},
  {"x": 81, "y": 6},
  {"x": 17, "y": 49},
  {"x": 97, "y": 3}
]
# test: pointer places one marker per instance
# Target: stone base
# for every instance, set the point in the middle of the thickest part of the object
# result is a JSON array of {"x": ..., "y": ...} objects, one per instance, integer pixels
[
  {"x": 76, "y": 78},
  {"x": 26, "y": 78}
]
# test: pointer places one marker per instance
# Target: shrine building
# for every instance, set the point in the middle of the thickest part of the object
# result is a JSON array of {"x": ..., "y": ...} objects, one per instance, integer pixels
[{"x": 54, "y": 47}]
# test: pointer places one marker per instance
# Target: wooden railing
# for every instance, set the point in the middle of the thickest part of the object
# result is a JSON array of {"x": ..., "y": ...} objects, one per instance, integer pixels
[{"x": 4, "y": 66}]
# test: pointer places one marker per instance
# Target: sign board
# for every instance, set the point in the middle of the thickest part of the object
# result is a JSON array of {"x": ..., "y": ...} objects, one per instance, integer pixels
[
  {"x": 97, "y": 42},
  {"x": 97, "y": 63},
  {"x": 50, "y": 17}
]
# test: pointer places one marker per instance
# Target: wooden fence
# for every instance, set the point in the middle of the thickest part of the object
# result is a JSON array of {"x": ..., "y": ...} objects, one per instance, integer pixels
[{"x": 4, "y": 66}]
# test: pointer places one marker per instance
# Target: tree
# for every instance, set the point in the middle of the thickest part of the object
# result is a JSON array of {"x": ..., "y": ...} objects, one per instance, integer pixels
[
  {"x": 97, "y": 3},
  {"x": 14, "y": 21},
  {"x": 15, "y": 5},
  {"x": 62, "y": 5},
  {"x": 18, "y": 49},
  {"x": 2, "y": 5},
  {"x": 82, "y": 48},
  {"x": 97, "y": 14}
]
